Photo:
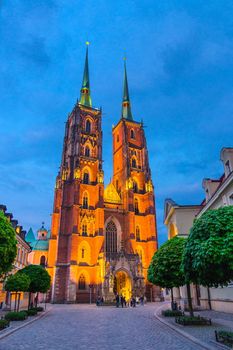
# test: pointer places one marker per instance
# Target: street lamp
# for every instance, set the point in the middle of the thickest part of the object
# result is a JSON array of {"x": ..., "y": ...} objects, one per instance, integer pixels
[{"x": 90, "y": 286}]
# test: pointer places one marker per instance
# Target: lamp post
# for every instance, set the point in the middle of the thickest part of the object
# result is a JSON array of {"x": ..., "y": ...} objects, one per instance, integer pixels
[{"x": 90, "y": 286}]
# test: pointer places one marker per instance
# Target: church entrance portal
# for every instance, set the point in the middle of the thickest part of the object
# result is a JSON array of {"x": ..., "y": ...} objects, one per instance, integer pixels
[{"x": 123, "y": 285}]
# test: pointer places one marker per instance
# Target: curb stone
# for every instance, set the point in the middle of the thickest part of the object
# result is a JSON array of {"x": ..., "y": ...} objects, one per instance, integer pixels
[
  {"x": 184, "y": 334},
  {"x": 24, "y": 324}
]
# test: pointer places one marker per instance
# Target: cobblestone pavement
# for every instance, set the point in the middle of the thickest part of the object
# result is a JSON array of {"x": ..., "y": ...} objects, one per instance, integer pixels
[{"x": 79, "y": 327}]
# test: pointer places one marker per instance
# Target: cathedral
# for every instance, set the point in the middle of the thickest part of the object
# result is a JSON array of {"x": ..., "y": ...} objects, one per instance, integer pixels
[{"x": 102, "y": 239}]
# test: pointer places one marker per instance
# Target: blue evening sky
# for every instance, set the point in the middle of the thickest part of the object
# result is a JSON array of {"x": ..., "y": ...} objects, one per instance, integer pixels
[{"x": 180, "y": 71}]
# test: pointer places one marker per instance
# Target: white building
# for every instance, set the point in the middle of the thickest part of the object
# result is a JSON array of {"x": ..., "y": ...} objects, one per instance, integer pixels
[{"x": 179, "y": 220}]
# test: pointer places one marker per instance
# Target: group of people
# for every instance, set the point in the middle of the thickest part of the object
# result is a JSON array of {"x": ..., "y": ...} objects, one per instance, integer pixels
[{"x": 121, "y": 300}]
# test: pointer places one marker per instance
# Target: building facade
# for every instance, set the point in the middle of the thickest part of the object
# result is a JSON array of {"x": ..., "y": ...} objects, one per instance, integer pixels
[
  {"x": 21, "y": 260},
  {"x": 102, "y": 239},
  {"x": 179, "y": 220}
]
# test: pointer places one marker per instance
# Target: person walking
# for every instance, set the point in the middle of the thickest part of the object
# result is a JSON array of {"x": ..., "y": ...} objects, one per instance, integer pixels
[
  {"x": 122, "y": 301},
  {"x": 117, "y": 300}
]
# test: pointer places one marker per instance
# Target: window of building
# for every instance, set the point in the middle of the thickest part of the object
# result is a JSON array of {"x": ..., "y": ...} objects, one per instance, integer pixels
[
  {"x": 87, "y": 151},
  {"x": 135, "y": 186},
  {"x": 117, "y": 138},
  {"x": 111, "y": 238},
  {"x": 84, "y": 230},
  {"x": 117, "y": 185},
  {"x": 85, "y": 201},
  {"x": 82, "y": 282},
  {"x": 137, "y": 233},
  {"x": 88, "y": 126},
  {"x": 132, "y": 134},
  {"x": 86, "y": 178},
  {"x": 134, "y": 163},
  {"x": 136, "y": 208},
  {"x": 231, "y": 199},
  {"x": 83, "y": 253},
  {"x": 42, "y": 261}
]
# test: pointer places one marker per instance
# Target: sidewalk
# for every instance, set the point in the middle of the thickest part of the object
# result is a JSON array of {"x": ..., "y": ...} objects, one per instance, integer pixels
[
  {"x": 16, "y": 325},
  {"x": 203, "y": 334}
]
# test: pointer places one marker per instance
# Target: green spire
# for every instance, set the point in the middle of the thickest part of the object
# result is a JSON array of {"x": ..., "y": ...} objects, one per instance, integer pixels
[
  {"x": 85, "y": 93},
  {"x": 126, "y": 108}
]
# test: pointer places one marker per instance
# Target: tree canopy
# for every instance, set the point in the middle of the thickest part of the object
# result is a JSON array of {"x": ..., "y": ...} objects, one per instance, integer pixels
[
  {"x": 8, "y": 245},
  {"x": 208, "y": 256},
  {"x": 165, "y": 268},
  {"x": 39, "y": 278},
  {"x": 18, "y": 282}
]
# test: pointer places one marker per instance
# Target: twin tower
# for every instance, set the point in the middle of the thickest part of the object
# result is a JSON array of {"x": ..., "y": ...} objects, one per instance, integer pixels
[{"x": 102, "y": 239}]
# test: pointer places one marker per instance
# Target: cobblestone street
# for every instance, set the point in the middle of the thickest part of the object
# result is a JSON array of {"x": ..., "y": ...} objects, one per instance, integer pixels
[{"x": 77, "y": 327}]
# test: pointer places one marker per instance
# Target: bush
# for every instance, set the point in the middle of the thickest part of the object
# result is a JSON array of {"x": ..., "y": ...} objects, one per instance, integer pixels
[
  {"x": 4, "y": 324},
  {"x": 39, "y": 308},
  {"x": 16, "y": 316},
  {"x": 31, "y": 312},
  {"x": 172, "y": 313},
  {"x": 193, "y": 321},
  {"x": 224, "y": 337}
]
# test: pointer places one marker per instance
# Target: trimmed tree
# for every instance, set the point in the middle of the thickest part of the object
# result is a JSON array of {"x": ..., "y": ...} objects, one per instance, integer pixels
[
  {"x": 39, "y": 280},
  {"x": 8, "y": 245},
  {"x": 17, "y": 283},
  {"x": 165, "y": 268},
  {"x": 208, "y": 258}
]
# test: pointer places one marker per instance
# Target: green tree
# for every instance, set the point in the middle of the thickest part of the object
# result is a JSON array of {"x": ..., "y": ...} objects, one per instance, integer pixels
[
  {"x": 165, "y": 268},
  {"x": 39, "y": 280},
  {"x": 208, "y": 258},
  {"x": 8, "y": 245},
  {"x": 17, "y": 283}
]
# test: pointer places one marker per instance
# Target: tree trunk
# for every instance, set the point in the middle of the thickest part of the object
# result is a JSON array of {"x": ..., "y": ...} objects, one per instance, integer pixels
[
  {"x": 18, "y": 302},
  {"x": 209, "y": 300},
  {"x": 190, "y": 300},
  {"x": 29, "y": 300},
  {"x": 16, "y": 294},
  {"x": 172, "y": 299}
]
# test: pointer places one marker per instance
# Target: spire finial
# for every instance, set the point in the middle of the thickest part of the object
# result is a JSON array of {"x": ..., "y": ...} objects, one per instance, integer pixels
[
  {"x": 85, "y": 95},
  {"x": 126, "y": 108}
]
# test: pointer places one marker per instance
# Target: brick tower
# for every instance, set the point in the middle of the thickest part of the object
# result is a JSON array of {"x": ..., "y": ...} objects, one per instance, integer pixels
[{"x": 102, "y": 240}]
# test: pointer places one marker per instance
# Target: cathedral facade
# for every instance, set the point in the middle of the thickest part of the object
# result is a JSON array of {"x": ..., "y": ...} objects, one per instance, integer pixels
[{"x": 102, "y": 239}]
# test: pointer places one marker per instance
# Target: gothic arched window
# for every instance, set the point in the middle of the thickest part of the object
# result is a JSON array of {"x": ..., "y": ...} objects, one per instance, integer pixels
[
  {"x": 42, "y": 261},
  {"x": 87, "y": 151},
  {"x": 132, "y": 134},
  {"x": 82, "y": 282},
  {"x": 137, "y": 233},
  {"x": 88, "y": 126},
  {"x": 134, "y": 163},
  {"x": 111, "y": 238},
  {"x": 136, "y": 208},
  {"x": 86, "y": 178},
  {"x": 85, "y": 201},
  {"x": 84, "y": 230},
  {"x": 135, "y": 186}
]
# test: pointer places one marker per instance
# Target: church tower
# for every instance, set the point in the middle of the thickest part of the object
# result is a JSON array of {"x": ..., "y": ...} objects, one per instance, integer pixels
[
  {"x": 102, "y": 240},
  {"x": 135, "y": 208},
  {"x": 78, "y": 215}
]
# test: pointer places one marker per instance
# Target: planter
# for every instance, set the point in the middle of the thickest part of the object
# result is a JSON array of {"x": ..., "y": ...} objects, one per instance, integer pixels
[
  {"x": 172, "y": 313},
  {"x": 193, "y": 321},
  {"x": 224, "y": 337}
]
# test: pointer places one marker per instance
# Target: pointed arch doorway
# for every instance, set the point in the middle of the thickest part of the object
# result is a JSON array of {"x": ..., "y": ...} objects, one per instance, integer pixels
[{"x": 123, "y": 284}]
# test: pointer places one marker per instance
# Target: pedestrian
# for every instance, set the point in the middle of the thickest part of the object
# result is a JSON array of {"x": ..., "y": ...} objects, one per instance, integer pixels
[
  {"x": 122, "y": 301},
  {"x": 117, "y": 300}
]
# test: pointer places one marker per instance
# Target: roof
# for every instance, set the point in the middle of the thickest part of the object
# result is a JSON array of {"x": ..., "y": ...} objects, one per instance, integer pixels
[
  {"x": 40, "y": 244},
  {"x": 30, "y": 237}
]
